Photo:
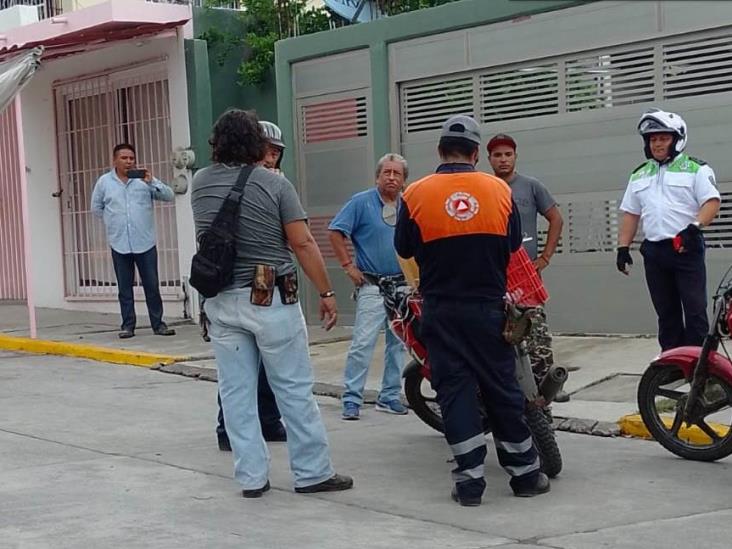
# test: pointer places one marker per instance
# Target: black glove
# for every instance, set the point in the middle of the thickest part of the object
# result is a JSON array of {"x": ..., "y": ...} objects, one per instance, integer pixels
[
  {"x": 689, "y": 239},
  {"x": 623, "y": 259}
]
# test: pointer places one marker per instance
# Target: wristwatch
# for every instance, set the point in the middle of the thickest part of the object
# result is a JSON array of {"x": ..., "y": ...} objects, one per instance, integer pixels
[
  {"x": 329, "y": 293},
  {"x": 698, "y": 224}
]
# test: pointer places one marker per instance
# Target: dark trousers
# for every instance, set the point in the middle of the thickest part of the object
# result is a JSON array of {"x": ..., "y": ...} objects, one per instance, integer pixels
[
  {"x": 678, "y": 287},
  {"x": 147, "y": 266},
  {"x": 467, "y": 351},
  {"x": 269, "y": 413}
]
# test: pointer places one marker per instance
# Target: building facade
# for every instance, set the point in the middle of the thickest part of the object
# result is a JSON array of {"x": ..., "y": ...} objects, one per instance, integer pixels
[{"x": 568, "y": 80}]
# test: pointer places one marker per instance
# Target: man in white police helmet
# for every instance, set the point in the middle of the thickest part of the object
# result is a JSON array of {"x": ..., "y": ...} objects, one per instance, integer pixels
[
  {"x": 275, "y": 146},
  {"x": 675, "y": 196}
]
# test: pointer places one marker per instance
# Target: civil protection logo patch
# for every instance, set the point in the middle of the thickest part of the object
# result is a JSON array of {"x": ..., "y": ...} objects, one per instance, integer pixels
[{"x": 462, "y": 206}]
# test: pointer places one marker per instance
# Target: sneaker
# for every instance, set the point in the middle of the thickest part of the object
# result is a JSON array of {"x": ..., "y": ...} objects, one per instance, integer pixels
[
  {"x": 163, "y": 330},
  {"x": 542, "y": 486},
  {"x": 256, "y": 493},
  {"x": 336, "y": 483},
  {"x": 350, "y": 411},
  {"x": 465, "y": 502},
  {"x": 392, "y": 407}
]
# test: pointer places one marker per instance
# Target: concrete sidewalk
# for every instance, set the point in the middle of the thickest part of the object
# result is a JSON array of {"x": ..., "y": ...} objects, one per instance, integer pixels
[{"x": 602, "y": 382}]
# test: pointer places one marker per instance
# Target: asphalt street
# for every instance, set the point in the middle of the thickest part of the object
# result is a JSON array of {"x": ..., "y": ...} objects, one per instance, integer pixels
[{"x": 94, "y": 455}]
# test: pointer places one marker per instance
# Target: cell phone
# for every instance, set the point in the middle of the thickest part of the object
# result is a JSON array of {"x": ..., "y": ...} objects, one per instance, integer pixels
[{"x": 136, "y": 173}]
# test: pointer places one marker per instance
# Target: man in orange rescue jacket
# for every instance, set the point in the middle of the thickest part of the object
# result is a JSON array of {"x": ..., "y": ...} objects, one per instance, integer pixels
[{"x": 461, "y": 227}]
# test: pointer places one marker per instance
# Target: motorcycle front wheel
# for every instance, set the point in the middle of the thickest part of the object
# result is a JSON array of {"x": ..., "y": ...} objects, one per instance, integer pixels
[
  {"x": 544, "y": 439},
  {"x": 662, "y": 395}
]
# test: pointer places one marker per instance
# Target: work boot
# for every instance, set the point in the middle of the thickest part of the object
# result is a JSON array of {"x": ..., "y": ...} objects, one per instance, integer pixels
[
  {"x": 465, "y": 502},
  {"x": 224, "y": 444},
  {"x": 542, "y": 486},
  {"x": 274, "y": 433}
]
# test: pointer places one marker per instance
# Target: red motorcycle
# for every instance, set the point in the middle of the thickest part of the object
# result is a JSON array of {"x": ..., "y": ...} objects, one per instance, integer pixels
[
  {"x": 525, "y": 292},
  {"x": 685, "y": 395}
]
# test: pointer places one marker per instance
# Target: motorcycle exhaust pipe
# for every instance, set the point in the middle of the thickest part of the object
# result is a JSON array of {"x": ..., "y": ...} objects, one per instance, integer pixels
[{"x": 552, "y": 382}]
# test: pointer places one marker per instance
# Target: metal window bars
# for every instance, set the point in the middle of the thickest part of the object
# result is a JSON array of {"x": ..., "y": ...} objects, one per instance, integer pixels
[{"x": 93, "y": 115}]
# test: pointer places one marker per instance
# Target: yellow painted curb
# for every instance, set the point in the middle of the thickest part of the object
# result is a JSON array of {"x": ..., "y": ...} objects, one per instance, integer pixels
[
  {"x": 93, "y": 352},
  {"x": 633, "y": 426}
]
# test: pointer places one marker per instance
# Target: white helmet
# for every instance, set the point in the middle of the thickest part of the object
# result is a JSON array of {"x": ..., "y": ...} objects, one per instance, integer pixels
[
  {"x": 273, "y": 133},
  {"x": 658, "y": 121}
]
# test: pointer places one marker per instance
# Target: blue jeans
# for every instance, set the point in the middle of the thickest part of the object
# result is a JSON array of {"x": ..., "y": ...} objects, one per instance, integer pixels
[
  {"x": 242, "y": 334},
  {"x": 370, "y": 320},
  {"x": 147, "y": 266}
]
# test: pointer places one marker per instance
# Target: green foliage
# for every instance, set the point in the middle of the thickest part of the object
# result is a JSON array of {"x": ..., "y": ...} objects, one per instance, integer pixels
[
  {"x": 394, "y": 7},
  {"x": 271, "y": 20}
]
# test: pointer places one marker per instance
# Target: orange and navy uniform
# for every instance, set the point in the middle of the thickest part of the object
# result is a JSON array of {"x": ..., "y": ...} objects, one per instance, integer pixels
[{"x": 461, "y": 227}]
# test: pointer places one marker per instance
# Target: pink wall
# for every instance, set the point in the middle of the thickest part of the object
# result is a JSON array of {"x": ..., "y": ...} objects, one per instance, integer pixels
[{"x": 12, "y": 265}]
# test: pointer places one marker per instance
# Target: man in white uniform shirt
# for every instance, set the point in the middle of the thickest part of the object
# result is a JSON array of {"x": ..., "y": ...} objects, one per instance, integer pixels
[{"x": 675, "y": 196}]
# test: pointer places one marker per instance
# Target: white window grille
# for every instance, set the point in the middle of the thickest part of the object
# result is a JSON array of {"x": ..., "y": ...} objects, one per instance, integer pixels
[
  {"x": 522, "y": 92},
  {"x": 697, "y": 67},
  {"x": 426, "y": 106},
  {"x": 719, "y": 233},
  {"x": 610, "y": 80},
  {"x": 698, "y": 64}
]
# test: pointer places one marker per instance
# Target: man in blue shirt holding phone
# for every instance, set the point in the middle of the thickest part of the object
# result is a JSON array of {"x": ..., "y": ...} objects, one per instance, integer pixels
[{"x": 123, "y": 199}]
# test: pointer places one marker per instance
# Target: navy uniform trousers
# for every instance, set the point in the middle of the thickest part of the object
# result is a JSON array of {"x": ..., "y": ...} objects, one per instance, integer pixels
[
  {"x": 466, "y": 350},
  {"x": 678, "y": 287}
]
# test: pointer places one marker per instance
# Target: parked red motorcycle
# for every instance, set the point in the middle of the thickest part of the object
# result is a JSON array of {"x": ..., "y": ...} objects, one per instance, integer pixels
[
  {"x": 685, "y": 395},
  {"x": 525, "y": 292}
]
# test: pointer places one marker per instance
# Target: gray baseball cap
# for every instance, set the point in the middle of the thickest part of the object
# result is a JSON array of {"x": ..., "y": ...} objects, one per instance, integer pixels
[{"x": 463, "y": 127}]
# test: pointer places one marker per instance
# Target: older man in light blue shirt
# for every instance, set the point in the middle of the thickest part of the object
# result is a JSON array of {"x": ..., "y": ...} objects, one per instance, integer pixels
[
  {"x": 123, "y": 198},
  {"x": 368, "y": 220}
]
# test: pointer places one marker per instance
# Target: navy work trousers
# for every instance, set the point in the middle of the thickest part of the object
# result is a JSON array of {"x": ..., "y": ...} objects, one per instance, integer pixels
[
  {"x": 677, "y": 283},
  {"x": 467, "y": 351}
]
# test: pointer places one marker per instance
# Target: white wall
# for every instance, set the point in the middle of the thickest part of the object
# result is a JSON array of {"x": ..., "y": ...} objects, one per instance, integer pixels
[
  {"x": 39, "y": 131},
  {"x": 17, "y": 16}
]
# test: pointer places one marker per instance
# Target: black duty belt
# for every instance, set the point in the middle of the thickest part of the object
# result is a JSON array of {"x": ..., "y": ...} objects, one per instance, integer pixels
[{"x": 373, "y": 278}]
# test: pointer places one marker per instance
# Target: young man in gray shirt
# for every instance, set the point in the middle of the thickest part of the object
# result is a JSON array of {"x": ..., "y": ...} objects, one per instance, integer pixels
[{"x": 532, "y": 198}]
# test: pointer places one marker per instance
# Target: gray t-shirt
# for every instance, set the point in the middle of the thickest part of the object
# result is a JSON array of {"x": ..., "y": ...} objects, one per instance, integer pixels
[
  {"x": 532, "y": 198},
  {"x": 269, "y": 202}
]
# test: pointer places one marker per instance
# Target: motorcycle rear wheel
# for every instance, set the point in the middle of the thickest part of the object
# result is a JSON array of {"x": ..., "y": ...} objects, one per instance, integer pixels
[
  {"x": 662, "y": 394},
  {"x": 423, "y": 405}
]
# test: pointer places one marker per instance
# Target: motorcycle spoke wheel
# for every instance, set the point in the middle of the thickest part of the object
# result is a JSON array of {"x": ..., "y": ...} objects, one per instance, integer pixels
[
  {"x": 711, "y": 433},
  {"x": 662, "y": 396}
]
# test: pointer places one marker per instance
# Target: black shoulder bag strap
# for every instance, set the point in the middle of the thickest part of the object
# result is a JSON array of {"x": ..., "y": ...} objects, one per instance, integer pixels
[{"x": 228, "y": 214}]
